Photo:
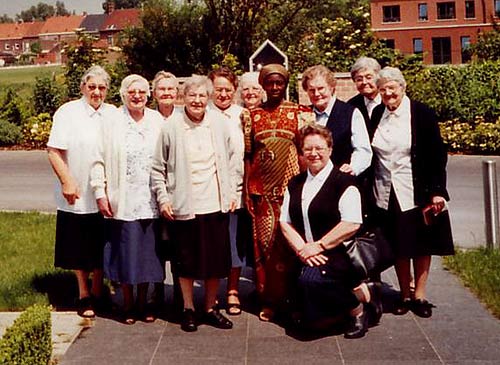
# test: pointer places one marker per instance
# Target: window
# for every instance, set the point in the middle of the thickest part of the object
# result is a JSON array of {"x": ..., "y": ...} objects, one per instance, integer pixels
[
  {"x": 417, "y": 45},
  {"x": 465, "y": 45},
  {"x": 110, "y": 40},
  {"x": 446, "y": 10},
  {"x": 422, "y": 12},
  {"x": 389, "y": 43},
  {"x": 470, "y": 12},
  {"x": 391, "y": 14},
  {"x": 441, "y": 50},
  {"x": 497, "y": 8}
]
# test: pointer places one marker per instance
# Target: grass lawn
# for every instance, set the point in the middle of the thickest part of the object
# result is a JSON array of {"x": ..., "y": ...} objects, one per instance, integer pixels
[
  {"x": 28, "y": 275},
  {"x": 23, "y": 79},
  {"x": 479, "y": 270}
]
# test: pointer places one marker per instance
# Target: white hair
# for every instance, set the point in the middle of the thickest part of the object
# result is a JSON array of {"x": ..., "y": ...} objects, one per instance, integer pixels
[
  {"x": 391, "y": 74},
  {"x": 129, "y": 80}
]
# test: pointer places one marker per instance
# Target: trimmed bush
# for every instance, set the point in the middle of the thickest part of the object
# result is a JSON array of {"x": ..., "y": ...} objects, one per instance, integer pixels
[
  {"x": 36, "y": 130},
  {"x": 10, "y": 134},
  {"x": 28, "y": 341}
]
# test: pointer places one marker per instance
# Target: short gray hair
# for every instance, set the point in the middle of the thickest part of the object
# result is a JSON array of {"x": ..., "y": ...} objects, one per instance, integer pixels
[
  {"x": 365, "y": 63},
  {"x": 160, "y": 75},
  {"x": 391, "y": 74},
  {"x": 129, "y": 80},
  {"x": 250, "y": 78},
  {"x": 95, "y": 71},
  {"x": 196, "y": 81}
]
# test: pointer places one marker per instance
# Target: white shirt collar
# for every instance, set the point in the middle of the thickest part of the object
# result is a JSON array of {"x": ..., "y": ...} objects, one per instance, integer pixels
[
  {"x": 89, "y": 109},
  {"x": 323, "y": 174},
  {"x": 328, "y": 109},
  {"x": 377, "y": 100},
  {"x": 403, "y": 108}
]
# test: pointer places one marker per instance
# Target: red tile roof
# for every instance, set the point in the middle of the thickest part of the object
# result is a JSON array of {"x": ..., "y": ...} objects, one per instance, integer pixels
[
  {"x": 62, "y": 24},
  {"x": 121, "y": 19},
  {"x": 20, "y": 30}
]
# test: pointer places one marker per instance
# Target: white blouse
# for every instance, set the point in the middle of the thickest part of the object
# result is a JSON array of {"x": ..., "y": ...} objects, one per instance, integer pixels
[{"x": 392, "y": 147}]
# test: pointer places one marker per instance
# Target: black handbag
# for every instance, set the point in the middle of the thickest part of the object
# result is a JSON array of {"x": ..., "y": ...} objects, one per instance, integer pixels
[{"x": 370, "y": 253}]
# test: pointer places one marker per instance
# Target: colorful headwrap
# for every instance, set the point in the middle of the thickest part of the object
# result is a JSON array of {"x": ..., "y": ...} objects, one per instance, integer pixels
[{"x": 272, "y": 68}]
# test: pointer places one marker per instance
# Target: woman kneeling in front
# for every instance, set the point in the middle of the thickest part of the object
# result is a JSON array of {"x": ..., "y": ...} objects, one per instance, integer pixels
[{"x": 322, "y": 209}]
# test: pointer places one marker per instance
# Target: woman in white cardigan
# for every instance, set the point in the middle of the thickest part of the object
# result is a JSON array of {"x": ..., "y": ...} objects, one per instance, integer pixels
[
  {"x": 120, "y": 178},
  {"x": 195, "y": 175}
]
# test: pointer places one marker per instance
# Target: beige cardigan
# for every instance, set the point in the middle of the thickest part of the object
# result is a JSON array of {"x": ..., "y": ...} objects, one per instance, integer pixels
[
  {"x": 108, "y": 175},
  {"x": 171, "y": 175}
]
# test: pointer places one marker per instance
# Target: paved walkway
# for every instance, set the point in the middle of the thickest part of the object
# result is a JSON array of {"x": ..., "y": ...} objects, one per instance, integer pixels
[{"x": 461, "y": 331}]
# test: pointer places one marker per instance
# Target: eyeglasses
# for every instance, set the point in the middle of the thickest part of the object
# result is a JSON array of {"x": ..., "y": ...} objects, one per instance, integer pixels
[
  {"x": 361, "y": 78},
  {"x": 137, "y": 91},
  {"x": 93, "y": 87},
  {"x": 220, "y": 90},
  {"x": 309, "y": 150}
]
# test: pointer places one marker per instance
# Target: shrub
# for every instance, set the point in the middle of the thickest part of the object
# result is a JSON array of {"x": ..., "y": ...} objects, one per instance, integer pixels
[
  {"x": 10, "y": 134},
  {"x": 11, "y": 107},
  {"x": 47, "y": 95},
  {"x": 478, "y": 137},
  {"x": 36, "y": 130},
  {"x": 28, "y": 341}
]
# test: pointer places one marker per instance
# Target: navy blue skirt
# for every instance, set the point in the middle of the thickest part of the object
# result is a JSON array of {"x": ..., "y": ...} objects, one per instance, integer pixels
[{"x": 131, "y": 252}]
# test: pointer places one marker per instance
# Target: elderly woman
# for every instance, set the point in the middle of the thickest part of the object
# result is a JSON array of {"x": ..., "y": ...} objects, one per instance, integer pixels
[
  {"x": 121, "y": 183},
  {"x": 165, "y": 88},
  {"x": 364, "y": 73},
  {"x": 321, "y": 209},
  {"x": 71, "y": 147},
  {"x": 195, "y": 177},
  {"x": 272, "y": 160},
  {"x": 251, "y": 91},
  {"x": 409, "y": 176},
  {"x": 225, "y": 83}
]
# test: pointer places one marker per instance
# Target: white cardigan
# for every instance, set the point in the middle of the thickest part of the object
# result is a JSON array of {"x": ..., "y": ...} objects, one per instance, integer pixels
[
  {"x": 171, "y": 175},
  {"x": 108, "y": 175}
]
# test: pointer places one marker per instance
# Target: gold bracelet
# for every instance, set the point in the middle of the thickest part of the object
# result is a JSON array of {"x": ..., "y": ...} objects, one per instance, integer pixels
[{"x": 322, "y": 245}]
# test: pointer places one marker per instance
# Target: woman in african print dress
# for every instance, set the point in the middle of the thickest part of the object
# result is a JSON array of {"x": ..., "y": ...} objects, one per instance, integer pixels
[{"x": 271, "y": 160}]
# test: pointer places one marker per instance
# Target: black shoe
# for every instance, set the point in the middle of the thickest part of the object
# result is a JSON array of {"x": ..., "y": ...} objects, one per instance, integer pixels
[
  {"x": 358, "y": 326},
  {"x": 401, "y": 307},
  {"x": 422, "y": 308},
  {"x": 102, "y": 304},
  {"x": 188, "y": 322},
  {"x": 375, "y": 305},
  {"x": 216, "y": 319}
]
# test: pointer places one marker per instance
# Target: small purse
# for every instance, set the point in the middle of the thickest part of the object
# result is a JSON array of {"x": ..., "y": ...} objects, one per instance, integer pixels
[{"x": 370, "y": 253}]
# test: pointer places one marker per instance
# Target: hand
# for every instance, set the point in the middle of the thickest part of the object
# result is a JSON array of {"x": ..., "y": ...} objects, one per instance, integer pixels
[
  {"x": 317, "y": 260},
  {"x": 167, "y": 211},
  {"x": 232, "y": 206},
  {"x": 438, "y": 204},
  {"x": 70, "y": 191},
  {"x": 309, "y": 250},
  {"x": 104, "y": 207},
  {"x": 347, "y": 169}
]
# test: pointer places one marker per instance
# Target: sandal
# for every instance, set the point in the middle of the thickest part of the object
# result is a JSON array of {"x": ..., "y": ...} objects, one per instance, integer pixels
[
  {"x": 147, "y": 317},
  {"x": 266, "y": 314},
  {"x": 128, "y": 317},
  {"x": 85, "y": 309},
  {"x": 233, "y": 309}
]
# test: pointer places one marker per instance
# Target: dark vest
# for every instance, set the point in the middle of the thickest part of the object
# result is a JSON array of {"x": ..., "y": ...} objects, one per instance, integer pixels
[
  {"x": 323, "y": 214},
  {"x": 324, "y": 208},
  {"x": 339, "y": 124}
]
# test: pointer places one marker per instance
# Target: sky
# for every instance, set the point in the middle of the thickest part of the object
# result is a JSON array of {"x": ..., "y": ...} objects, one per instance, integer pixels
[{"x": 13, "y": 7}]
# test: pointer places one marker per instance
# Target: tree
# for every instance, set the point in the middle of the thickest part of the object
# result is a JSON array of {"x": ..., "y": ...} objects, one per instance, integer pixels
[
  {"x": 61, "y": 9},
  {"x": 46, "y": 95},
  {"x": 172, "y": 38},
  {"x": 6, "y": 19},
  {"x": 42, "y": 11},
  {"x": 487, "y": 47},
  {"x": 123, "y": 4}
]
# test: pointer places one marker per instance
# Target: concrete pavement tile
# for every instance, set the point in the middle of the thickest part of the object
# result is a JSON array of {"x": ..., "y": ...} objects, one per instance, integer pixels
[
  {"x": 296, "y": 360},
  {"x": 107, "y": 360},
  {"x": 184, "y": 360},
  {"x": 284, "y": 347},
  {"x": 392, "y": 362}
]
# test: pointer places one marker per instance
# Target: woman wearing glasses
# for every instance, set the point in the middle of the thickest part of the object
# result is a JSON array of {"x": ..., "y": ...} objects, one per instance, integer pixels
[
  {"x": 321, "y": 209},
  {"x": 120, "y": 178}
]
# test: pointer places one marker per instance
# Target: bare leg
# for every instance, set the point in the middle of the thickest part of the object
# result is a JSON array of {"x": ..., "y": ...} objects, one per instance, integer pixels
[
  {"x": 97, "y": 276},
  {"x": 233, "y": 300},
  {"x": 404, "y": 276},
  {"x": 187, "y": 292},
  {"x": 211, "y": 288},
  {"x": 83, "y": 287},
  {"x": 422, "y": 266}
]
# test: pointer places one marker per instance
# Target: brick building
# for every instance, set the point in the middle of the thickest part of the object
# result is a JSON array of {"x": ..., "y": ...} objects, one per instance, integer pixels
[{"x": 440, "y": 29}]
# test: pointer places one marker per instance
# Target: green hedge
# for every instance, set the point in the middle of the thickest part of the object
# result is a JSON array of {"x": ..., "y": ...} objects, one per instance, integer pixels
[{"x": 28, "y": 341}]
